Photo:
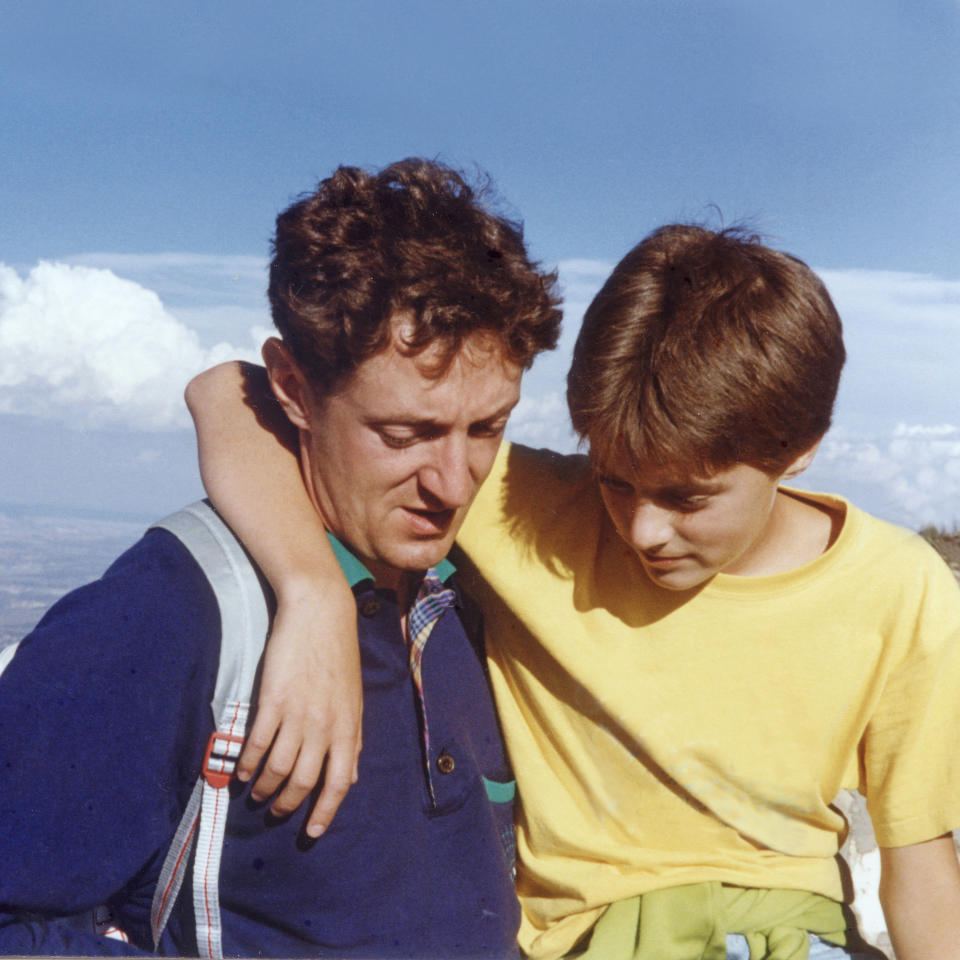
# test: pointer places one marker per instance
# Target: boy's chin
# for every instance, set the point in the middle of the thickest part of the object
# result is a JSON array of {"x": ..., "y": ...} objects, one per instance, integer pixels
[{"x": 685, "y": 576}]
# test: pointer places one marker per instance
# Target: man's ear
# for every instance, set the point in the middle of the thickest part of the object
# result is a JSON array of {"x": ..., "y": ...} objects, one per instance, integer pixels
[
  {"x": 801, "y": 463},
  {"x": 287, "y": 382}
]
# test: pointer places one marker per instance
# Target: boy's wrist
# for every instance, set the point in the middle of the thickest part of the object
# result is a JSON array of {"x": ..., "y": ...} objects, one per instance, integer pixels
[{"x": 308, "y": 587}]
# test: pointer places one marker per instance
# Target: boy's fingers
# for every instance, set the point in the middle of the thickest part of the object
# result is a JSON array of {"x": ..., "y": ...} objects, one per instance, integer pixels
[
  {"x": 340, "y": 776},
  {"x": 258, "y": 741},
  {"x": 280, "y": 761},
  {"x": 302, "y": 779}
]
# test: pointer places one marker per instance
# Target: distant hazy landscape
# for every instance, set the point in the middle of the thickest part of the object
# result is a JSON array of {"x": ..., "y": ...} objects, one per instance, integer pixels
[{"x": 42, "y": 556}]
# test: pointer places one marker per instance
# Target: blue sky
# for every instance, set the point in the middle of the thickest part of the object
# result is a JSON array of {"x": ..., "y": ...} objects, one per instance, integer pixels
[{"x": 148, "y": 147}]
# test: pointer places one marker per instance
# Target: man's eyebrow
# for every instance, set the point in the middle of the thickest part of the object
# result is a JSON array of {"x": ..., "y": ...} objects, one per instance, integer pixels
[
  {"x": 503, "y": 411},
  {"x": 412, "y": 418},
  {"x": 402, "y": 420}
]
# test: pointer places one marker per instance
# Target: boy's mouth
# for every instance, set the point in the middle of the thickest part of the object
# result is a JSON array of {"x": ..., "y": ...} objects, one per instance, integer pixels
[{"x": 664, "y": 563}]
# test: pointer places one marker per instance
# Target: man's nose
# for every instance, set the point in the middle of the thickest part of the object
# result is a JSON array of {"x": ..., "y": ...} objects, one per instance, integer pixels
[
  {"x": 650, "y": 527},
  {"x": 446, "y": 476}
]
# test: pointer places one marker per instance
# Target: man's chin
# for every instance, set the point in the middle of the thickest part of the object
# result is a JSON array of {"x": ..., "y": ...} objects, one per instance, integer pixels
[
  {"x": 422, "y": 556},
  {"x": 416, "y": 556}
]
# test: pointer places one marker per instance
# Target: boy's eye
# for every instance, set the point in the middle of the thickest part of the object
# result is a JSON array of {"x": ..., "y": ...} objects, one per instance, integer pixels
[
  {"x": 689, "y": 504},
  {"x": 614, "y": 484}
]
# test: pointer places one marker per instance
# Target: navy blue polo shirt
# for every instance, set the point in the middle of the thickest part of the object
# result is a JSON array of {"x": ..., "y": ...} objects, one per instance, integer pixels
[{"x": 104, "y": 716}]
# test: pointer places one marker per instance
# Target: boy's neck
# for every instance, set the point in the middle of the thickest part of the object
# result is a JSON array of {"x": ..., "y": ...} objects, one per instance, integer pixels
[{"x": 798, "y": 531}]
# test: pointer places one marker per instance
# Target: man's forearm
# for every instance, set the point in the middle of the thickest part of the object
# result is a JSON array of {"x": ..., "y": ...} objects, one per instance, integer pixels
[
  {"x": 310, "y": 700},
  {"x": 251, "y": 472}
]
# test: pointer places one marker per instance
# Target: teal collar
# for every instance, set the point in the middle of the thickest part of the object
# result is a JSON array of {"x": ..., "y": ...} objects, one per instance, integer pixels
[{"x": 355, "y": 571}]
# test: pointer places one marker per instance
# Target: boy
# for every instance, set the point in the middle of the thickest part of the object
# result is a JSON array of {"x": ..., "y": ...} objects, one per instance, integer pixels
[{"x": 690, "y": 660}]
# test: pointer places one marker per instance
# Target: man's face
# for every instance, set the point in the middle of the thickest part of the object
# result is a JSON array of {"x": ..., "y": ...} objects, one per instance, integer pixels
[
  {"x": 394, "y": 456},
  {"x": 686, "y": 529}
]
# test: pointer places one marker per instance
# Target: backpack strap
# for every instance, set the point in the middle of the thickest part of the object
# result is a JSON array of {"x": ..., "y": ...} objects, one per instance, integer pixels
[
  {"x": 6, "y": 655},
  {"x": 245, "y": 623}
]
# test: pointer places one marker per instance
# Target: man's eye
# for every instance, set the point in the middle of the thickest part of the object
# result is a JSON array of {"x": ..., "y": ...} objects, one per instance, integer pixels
[
  {"x": 398, "y": 440},
  {"x": 488, "y": 429}
]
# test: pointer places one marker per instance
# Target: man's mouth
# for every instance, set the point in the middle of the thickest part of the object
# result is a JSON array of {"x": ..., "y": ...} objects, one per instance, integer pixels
[{"x": 429, "y": 522}]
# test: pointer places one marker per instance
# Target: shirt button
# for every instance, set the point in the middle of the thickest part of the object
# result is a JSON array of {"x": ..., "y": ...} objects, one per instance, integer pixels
[
  {"x": 445, "y": 763},
  {"x": 370, "y": 607}
]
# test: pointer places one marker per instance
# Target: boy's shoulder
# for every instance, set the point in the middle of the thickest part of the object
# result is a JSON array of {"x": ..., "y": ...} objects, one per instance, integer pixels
[
  {"x": 523, "y": 461},
  {"x": 861, "y": 538},
  {"x": 527, "y": 482}
]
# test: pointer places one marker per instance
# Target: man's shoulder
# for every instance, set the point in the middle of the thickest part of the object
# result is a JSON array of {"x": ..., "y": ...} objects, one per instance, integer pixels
[
  {"x": 111, "y": 691},
  {"x": 156, "y": 573},
  {"x": 152, "y": 609}
]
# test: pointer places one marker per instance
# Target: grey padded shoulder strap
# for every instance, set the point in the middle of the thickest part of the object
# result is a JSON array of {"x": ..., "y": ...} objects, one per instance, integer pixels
[
  {"x": 244, "y": 614},
  {"x": 6, "y": 655}
]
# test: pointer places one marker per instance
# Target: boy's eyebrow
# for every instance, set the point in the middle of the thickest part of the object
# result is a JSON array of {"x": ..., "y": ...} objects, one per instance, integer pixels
[
  {"x": 694, "y": 486},
  {"x": 697, "y": 485}
]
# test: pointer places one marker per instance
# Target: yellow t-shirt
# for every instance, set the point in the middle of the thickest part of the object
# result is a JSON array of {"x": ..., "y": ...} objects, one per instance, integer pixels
[{"x": 661, "y": 738}]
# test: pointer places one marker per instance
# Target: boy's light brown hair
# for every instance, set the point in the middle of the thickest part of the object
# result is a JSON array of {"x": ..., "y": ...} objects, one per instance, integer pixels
[
  {"x": 705, "y": 349},
  {"x": 413, "y": 240}
]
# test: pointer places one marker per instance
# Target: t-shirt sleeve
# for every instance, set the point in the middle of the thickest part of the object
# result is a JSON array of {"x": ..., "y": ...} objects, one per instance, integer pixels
[
  {"x": 911, "y": 765},
  {"x": 104, "y": 711}
]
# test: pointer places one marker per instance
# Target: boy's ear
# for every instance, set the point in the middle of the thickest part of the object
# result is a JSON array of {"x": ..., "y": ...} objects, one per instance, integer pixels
[
  {"x": 287, "y": 382},
  {"x": 801, "y": 463}
]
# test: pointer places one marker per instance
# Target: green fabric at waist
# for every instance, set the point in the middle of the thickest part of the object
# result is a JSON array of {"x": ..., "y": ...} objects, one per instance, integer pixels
[{"x": 680, "y": 923}]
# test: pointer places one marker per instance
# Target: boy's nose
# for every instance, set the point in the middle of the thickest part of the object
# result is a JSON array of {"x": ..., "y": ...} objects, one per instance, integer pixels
[{"x": 650, "y": 527}]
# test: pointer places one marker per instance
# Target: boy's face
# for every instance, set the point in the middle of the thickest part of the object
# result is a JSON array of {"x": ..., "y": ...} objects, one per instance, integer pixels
[{"x": 686, "y": 528}]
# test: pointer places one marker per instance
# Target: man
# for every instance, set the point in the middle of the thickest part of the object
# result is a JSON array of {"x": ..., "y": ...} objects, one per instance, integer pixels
[{"x": 407, "y": 313}]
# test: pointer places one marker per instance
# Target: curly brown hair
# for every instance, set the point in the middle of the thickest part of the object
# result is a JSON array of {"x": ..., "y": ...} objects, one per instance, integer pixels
[
  {"x": 416, "y": 241},
  {"x": 706, "y": 349}
]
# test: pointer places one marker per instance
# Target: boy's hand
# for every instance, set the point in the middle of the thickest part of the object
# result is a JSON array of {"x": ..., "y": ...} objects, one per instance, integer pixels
[{"x": 310, "y": 706}]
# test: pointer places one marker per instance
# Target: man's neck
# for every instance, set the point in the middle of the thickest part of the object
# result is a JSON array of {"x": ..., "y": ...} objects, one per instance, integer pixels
[{"x": 401, "y": 582}]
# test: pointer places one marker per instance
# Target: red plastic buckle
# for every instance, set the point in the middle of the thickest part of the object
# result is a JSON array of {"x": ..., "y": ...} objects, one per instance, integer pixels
[{"x": 219, "y": 778}]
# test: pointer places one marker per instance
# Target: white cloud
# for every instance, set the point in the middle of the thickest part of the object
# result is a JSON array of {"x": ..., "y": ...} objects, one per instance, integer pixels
[
  {"x": 579, "y": 280},
  {"x": 540, "y": 420},
  {"x": 84, "y": 346},
  {"x": 911, "y": 476},
  {"x": 904, "y": 298},
  {"x": 902, "y": 332},
  {"x": 216, "y": 295}
]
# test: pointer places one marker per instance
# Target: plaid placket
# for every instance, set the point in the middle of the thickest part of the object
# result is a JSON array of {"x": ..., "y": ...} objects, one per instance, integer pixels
[{"x": 432, "y": 599}]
